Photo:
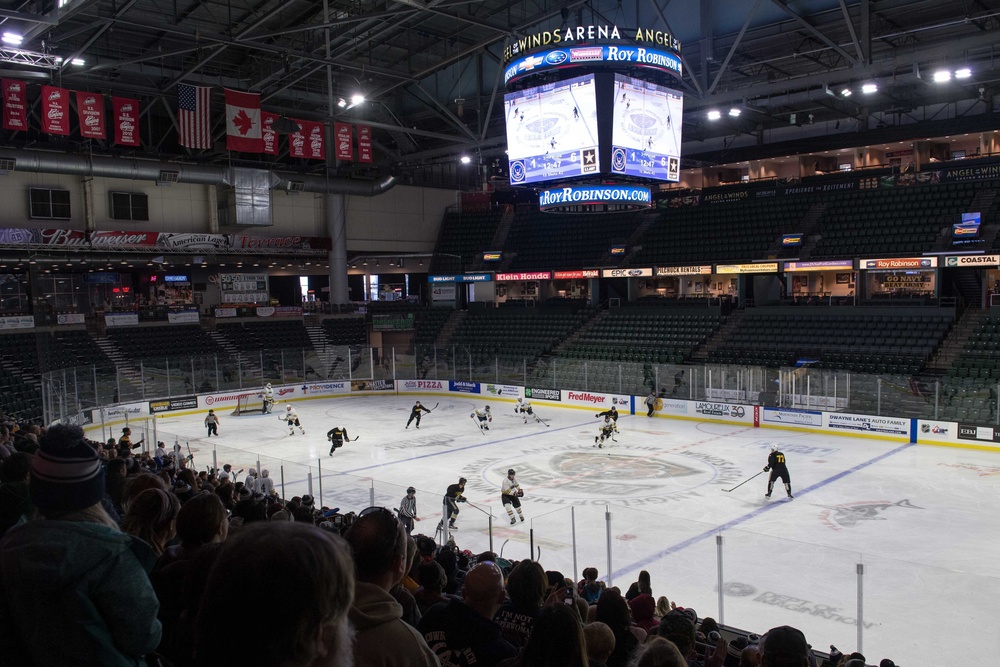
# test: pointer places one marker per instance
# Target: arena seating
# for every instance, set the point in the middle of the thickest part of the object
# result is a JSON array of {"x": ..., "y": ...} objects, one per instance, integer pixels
[
  {"x": 547, "y": 241},
  {"x": 345, "y": 331},
  {"x": 465, "y": 235},
  {"x": 253, "y": 336},
  {"x": 182, "y": 341}
]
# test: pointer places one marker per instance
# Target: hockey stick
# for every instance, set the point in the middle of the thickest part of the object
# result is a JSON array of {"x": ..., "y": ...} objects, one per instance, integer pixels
[
  {"x": 743, "y": 482},
  {"x": 541, "y": 421},
  {"x": 481, "y": 429},
  {"x": 434, "y": 408}
]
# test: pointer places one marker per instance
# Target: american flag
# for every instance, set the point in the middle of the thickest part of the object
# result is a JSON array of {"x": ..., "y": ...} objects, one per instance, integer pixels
[{"x": 194, "y": 116}]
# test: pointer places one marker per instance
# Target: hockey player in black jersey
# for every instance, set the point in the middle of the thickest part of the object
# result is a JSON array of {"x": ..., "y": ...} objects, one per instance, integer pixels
[
  {"x": 776, "y": 464},
  {"x": 415, "y": 414},
  {"x": 453, "y": 496},
  {"x": 336, "y": 436},
  {"x": 611, "y": 412}
]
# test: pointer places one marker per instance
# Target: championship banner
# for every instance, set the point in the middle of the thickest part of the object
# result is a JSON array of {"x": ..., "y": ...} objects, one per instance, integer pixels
[
  {"x": 126, "y": 121},
  {"x": 343, "y": 135},
  {"x": 308, "y": 142},
  {"x": 90, "y": 112},
  {"x": 365, "y": 143},
  {"x": 270, "y": 137},
  {"x": 15, "y": 104},
  {"x": 55, "y": 110}
]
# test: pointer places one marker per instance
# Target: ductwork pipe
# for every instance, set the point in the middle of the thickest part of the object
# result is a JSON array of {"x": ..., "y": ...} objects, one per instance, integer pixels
[{"x": 150, "y": 170}]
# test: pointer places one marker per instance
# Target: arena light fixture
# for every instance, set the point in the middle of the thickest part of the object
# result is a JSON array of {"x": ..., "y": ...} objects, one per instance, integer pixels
[
  {"x": 79, "y": 62},
  {"x": 465, "y": 159},
  {"x": 356, "y": 99},
  {"x": 341, "y": 103},
  {"x": 963, "y": 73},
  {"x": 846, "y": 92},
  {"x": 942, "y": 76},
  {"x": 12, "y": 38},
  {"x": 735, "y": 112},
  {"x": 714, "y": 114},
  {"x": 869, "y": 88}
]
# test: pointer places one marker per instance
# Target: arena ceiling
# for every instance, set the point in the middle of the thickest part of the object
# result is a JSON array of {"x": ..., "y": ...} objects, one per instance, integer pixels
[{"x": 430, "y": 70}]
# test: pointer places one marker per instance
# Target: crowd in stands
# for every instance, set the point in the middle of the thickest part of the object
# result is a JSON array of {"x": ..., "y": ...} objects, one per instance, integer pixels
[{"x": 113, "y": 558}]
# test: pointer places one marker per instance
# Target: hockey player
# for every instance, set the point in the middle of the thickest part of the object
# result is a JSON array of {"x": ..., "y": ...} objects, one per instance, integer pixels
[
  {"x": 523, "y": 408},
  {"x": 607, "y": 430},
  {"x": 613, "y": 413},
  {"x": 415, "y": 414},
  {"x": 265, "y": 485},
  {"x": 408, "y": 509},
  {"x": 336, "y": 436},
  {"x": 268, "y": 399},
  {"x": 776, "y": 464},
  {"x": 212, "y": 423},
  {"x": 511, "y": 494},
  {"x": 292, "y": 419},
  {"x": 484, "y": 417},
  {"x": 453, "y": 496}
]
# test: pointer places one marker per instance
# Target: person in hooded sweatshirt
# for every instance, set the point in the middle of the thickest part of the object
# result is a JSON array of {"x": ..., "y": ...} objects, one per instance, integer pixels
[
  {"x": 74, "y": 589},
  {"x": 378, "y": 544}
]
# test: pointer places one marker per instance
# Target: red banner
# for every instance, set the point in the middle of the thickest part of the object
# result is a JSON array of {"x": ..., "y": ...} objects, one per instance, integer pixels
[
  {"x": 126, "y": 121},
  {"x": 55, "y": 110},
  {"x": 364, "y": 143},
  {"x": 308, "y": 142},
  {"x": 243, "y": 131},
  {"x": 343, "y": 136},
  {"x": 15, "y": 104},
  {"x": 90, "y": 112},
  {"x": 270, "y": 136}
]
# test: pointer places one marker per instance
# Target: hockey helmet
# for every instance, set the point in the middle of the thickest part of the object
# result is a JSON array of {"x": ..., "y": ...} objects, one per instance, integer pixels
[
  {"x": 510, "y": 471},
  {"x": 265, "y": 472},
  {"x": 520, "y": 400},
  {"x": 418, "y": 402},
  {"x": 774, "y": 448},
  {"x": 288, "y": 408},
  {"x": 461, "y": 480},
  {"x": 268, "y": 385},
  {"x": 410, "y": 489},
  {"x": 487, "y": 408},
  {"x": 211, "y": 412}
]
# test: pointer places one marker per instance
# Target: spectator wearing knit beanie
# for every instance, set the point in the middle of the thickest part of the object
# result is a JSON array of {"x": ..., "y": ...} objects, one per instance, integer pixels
[{"x": 72, "y": 574}]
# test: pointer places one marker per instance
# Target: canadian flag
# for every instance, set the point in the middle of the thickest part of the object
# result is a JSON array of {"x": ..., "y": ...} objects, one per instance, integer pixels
[{"x": 243, "y": 130}]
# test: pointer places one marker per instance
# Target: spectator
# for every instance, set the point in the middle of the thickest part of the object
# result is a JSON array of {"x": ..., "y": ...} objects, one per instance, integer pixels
[
  {"x": 202, "y": 524},
  {"x": 784, "y": 646},
  {"x": 642, "y": 607},
  {"x": 152, "y": 517},
  {"x": 678, "y": 627},
  {"x": 589, "y": 588},
  {"x": 613, "y": 610},
  {"x": 432, "y": 580},
  {"x": 600, "y": 643},
  {"x": 14, "y": 498},
  {"x": 526, "y": 588},
  {"x": 114, "y": 482},
  {"x": 74, "y": 589},
  {"x": 136, "y": 485},
  {"x": 557, "y": 640},
  {"x": 639, "y": 587},
  {"x": 660, "y": 652},
  {"x": 378, "y": 543},
  {"x": 464, "y": 627},
  {"x": 302, "y": 590},
  {"x": 401, "y": 591},
  {"x": 750, "y": 657},
  {"x": 663, "y": 606}
]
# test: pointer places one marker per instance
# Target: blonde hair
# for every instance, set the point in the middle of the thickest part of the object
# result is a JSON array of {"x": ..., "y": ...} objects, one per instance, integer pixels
[
  {"x": 93, "y": 514},
  {"x": 662, "y": 606}
]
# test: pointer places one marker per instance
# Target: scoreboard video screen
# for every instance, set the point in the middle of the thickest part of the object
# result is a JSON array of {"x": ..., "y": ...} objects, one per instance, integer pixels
[
  {"x": 552, "y": 131},
  {"x": 646, "y": 130}
]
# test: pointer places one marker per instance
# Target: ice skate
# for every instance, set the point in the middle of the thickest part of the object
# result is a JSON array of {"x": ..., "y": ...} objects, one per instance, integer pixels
[
  {"x": 513, "y": 521},
  {"x": 790, "y": 496},
  {"x": 767, "y": 495}
]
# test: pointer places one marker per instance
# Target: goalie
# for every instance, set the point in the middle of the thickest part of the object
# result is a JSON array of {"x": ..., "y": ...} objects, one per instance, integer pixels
[
  {"x": 511, "y": 494},
  {"x": 292, "y": 419},
  {"x": 608, "y": 430},
  {"x": 336, "y": 436},
  {"x": 267, "y": 399}
]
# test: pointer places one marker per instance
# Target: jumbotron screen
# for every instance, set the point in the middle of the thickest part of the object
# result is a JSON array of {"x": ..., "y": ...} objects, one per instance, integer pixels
[
  {"x": 646, "y": 134},
  {"x": 552, "y": 131}
]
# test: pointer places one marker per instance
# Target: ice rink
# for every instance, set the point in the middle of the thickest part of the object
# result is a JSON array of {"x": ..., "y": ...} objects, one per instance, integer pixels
[{"x": 920, "y": 519}]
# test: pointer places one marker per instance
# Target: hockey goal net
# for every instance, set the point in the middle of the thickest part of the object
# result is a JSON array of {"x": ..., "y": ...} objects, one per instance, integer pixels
[{"x": 248, "y": 404}]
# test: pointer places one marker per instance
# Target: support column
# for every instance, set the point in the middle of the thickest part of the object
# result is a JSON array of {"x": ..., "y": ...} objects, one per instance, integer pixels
[{"x": 336, "y": 229}]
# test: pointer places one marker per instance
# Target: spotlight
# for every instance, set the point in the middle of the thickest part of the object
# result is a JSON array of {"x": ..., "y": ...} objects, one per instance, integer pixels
[
  {"x": 714, "y": 114},
  {"x": 869, "y": 88},
  {"x": 942, "y": 76},
  {"x": 734, "y": 112},
  {"x": 79, "y": 62},
  {"x": 466, "y": 159},
  {"x": 963, "y": 73},
  {"x": 357, "y": 99},
  {"x": 846, "y": 92},
  {"x": 12, "y": 38},
  {"x": 341, "y": 103}
]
